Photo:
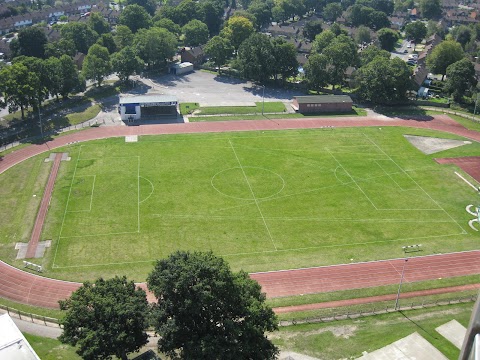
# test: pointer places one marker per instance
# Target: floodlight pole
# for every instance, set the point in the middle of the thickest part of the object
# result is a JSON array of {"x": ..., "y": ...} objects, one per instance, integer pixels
[
  {"x": 475, "y": 108},
  {"x": 40, "y": 120},
  {"x": 263, "y": 99},
  {"x": 400, "y": 285}
]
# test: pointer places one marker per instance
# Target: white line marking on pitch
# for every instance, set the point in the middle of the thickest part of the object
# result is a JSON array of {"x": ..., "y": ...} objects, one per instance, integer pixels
[
  {"x": 253, "y": 194},
  {"x": 66, "y": 206},
  {"x": 138, "y": 192},
  {"x": 468, "y": 182},
  {"x": 351, "y": 177},
  {"x": 421, "y": 188},
  {"x": 151, "y": 192}
]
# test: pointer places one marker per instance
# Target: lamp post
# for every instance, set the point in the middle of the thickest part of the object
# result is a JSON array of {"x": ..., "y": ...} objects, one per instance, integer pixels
[
  {"x": 40, "y": 120},
  {"x": 400, "y": 285},
  {"x": 263, "y": 99},
  {"x": 475, "y": 108}
]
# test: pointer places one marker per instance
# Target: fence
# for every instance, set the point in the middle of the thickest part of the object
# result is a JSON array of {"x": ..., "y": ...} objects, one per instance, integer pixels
[
  {"x": 89, "y": 123},
  {"x": 22, "y": 315},
  {"x": 336, "y": 315}
]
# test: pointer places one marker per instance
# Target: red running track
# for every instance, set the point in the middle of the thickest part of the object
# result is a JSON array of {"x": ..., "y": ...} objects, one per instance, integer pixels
[
  {"x": 469, "y": 164},
  {"x": 369, "y": 274},
  {"x": 28, "y": 288},
  {"x": 42, "y": 211}
]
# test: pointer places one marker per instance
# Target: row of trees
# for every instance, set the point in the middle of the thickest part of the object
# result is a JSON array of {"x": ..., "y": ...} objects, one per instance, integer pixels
[
  {"x": 29, "y": 81},
  {"x": 203, "y": 311}
]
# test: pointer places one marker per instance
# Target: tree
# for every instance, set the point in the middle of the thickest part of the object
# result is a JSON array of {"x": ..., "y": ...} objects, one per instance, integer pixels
[
  {"x": 383, "y": 81},
  {"x": 261, "y": 11},
  {"x": 342, "y": 53},
  {"x": 219, "y": 50},
  {"x": 126, "y": 63},
  {"x": 312, "y": 29},
  {"x": 38, "y": 80},
  {"x": 149, "y": 5},
  {"x": 463, "y": 34},
  {"x": 195, "y": 32},
  {"x": 332, "y": 11},
  {"x": 443, "y": 55},
  {"x": 416, "y": 31},
  {"x": 362, "y": 36},
  {"x": 80, "y": 34},
  {"x": 316, "y": 72},
  {"x": 17, "y": 85},
  {"x": 205, "y": 311},
  {"x": 370, "y": 53},
  {"x": 135, "y": 17},
  {"x": 169, "y": 25},
  {"x": 69, "y": 74},
  {"x": 155, "y": 46},
  {"x": 32, "y": 41},
  {"x": 430, "y": 9},
  {"x": 322, "y": 40},
  {"x": 105, "y": 318},
  {"x": 433, "y": 28},
  {"x": 212, "y": 15},
  {"x": 387, "y": 38},
  {"x": 378, "y": 20},
  {"x": 54, "y": 77},
  {"x": 107, "y": 40},
  {"x": 98, "y": 24},
  {"x": 256, "y": 59},
  {"x": 460, "y": 78},
  {"x": 278, "y": 14},
  {"x": 97, "y": 64},
  {"x": 123, "y": 36},
  {"x": 236, "y": 30},
  {"x": 59, "y": 48},
  {"x": 286, "y": 63}
]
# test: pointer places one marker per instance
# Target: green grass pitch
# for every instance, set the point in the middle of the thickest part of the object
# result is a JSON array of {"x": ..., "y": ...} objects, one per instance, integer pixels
[{"x": 264, "y": 201}]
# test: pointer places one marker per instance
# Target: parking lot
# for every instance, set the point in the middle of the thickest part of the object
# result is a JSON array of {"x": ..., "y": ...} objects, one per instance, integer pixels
[{"x": 209, "y": 89}]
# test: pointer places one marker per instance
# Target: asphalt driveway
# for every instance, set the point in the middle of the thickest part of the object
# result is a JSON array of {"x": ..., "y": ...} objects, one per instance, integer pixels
[{"x": 211, "y": 90}]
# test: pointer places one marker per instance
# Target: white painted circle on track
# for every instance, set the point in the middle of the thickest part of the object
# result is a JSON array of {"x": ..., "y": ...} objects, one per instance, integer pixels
[{"x": 267, "y": 175}]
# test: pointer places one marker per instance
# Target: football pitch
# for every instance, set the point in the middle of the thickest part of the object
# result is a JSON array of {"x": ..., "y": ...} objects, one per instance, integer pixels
[{"x": 263, "y": 200}]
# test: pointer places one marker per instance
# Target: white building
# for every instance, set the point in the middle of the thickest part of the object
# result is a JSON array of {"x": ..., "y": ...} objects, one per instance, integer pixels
[
  {"x": 13, "y": 345},
  {"x": 133, "y": 108}
]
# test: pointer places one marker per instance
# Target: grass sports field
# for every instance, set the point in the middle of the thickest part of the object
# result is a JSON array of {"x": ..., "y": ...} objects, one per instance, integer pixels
[{"x": 264, "y": 201}]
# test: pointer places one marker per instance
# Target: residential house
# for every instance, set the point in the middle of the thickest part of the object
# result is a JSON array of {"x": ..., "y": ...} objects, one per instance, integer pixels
[{"x": 194, "y": 55}]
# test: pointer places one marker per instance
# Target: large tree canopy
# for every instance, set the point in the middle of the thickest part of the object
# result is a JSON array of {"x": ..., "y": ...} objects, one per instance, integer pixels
[
  {"x": 155, "y": 46},
  {"x": 460, "y": 78},
  {"x": 387, "y": 38},
  {"x": 416, "y": 31},
  {"x": 205, "y": 311},
  {"x": 237, "y": 29},
  {"x": 97, "y": 64},
  {"x": 135, "y": 17},
  {"x": 105, "y": 318},
  {"x": 219, "y": 50},
  {"x": 443, "y": 55},
  {"x": 32, "y": 41},
  {"x": 383, "y": 80},
  {"x": 430, "y": 8},
  {"x": 80, "y": 34},
  {"x": 195, "y": 32}
]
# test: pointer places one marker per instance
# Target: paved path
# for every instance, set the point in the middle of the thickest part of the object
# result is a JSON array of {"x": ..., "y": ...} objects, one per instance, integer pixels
[{"x": 31, "y": 289}]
